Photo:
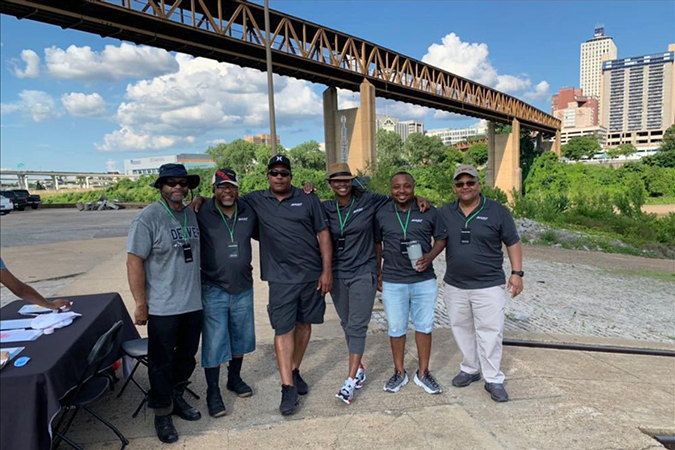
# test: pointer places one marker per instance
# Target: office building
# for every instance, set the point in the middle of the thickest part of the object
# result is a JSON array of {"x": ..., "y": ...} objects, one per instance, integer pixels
[
  {"x": 599, "y": 133},
  {"x": 451, "y": 136},
  {"x": 574, "y": 109},
  {"x": 262, "y": 139},
  {"x": 150, "y": 165},
  {"x": 403, "y": 128},
  {"x": 638, "y": 99},
  {"x": 593, "y": 51}
]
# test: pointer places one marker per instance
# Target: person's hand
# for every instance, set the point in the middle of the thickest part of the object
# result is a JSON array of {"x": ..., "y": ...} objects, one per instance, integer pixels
[
  {"x": 422, "y": 203},
  {"x": 515, "y": 285},
  {"x": 423, "y": 263},
  {"x": 308, "y": 187},
  {"x": 379, "y": 282},
  {"x": 141, "y": 315},
  {"x": 196, "y": 203},
  {"x": 60, "y": 303},
  {"x": 325, "y": 283}
]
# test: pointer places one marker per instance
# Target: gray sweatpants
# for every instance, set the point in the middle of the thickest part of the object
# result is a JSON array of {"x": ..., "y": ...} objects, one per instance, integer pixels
[{"x": 353, "y": 299}]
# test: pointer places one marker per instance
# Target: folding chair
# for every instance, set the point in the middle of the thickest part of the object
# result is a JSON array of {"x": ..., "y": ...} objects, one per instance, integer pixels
[
  {"x": 89, "y": 389},
  {"x": 138, "y": 350}
]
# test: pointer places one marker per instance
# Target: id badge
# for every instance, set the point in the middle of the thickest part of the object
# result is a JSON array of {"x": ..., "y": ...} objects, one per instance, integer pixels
[
  {"x": 233, "y": 250},
  {"x": 465, "y": 236},
  {"x": 187, "y": 252},
  {"x": 340, "y": 244},
  {"x": 404, "y": 247}
]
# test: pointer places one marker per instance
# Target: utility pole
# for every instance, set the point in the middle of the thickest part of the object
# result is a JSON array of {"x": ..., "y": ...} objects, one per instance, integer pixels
[{"x": 270, "y": 81}]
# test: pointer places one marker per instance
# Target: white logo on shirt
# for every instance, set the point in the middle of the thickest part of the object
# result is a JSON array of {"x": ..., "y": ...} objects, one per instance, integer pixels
[
  {"x": 358, "y": 210},
  {"x": 243, "y": 219},
  {"x": 296, "y": 204},
  {"x": 417, "y": 220},
  {"x": 481, "y": 218}
]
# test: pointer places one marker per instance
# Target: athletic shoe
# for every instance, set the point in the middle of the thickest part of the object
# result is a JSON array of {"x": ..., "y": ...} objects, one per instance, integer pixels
[
  {"x": 299, "y": 383},
  {"x": 289, "y": 400},
  {"x": 428, "y": 383},
  {"x": 346, "y": 393},
  {"x": 360, "y": 376},
  {"x": 464, "y": 379},
  {"x": 497, "y": 392},
  {"x": 396, "y": 382}
]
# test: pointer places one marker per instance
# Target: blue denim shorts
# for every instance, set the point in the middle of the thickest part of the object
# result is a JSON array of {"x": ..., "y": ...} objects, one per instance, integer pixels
[
  {"x": 402, "y": 300},
  {"x": 229, "y": 324}
]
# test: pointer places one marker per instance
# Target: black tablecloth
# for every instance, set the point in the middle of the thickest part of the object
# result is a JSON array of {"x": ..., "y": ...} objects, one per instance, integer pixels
[{"x": 29, "y": 395}]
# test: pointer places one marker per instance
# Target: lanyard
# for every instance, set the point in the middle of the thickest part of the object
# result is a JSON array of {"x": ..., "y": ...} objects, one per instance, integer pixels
[
  {"x": 466, "y": 223},
  {"x": 343, "y": 223},
  {"x": 184, "y": 227},
  {"x": 234, "y": 222},
  {"x": 407, "y": 222}
]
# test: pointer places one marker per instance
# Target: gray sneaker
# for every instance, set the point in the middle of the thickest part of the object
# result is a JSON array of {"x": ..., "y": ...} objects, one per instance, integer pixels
[
  {"x": 428, "y": 383},
  {"x": 396, "y": 382}
]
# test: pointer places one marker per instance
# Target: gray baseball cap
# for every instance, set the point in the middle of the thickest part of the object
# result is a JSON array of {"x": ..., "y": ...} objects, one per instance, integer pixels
[{"x": 469, "y": 170}]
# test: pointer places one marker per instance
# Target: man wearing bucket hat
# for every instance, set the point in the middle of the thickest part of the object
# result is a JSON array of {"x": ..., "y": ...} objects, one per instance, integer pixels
[
  {"x": 408, "y": 281},
  {"x": 227, "y": 226},
  {"x": 163, "y": 257},
  {"x": 474, "y": 279}
]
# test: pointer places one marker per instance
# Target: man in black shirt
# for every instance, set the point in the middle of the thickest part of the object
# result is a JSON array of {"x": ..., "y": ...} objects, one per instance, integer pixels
[{"x": 475, "y": 283}]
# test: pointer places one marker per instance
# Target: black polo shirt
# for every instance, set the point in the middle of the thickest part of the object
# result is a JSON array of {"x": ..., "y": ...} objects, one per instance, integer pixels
[
  {"x": 232, "y": 274},
  {"x": 289, "y": 247},
  {"x": 421, "y": 228},
  {"x": 478, "y": 264},
  {"x": 358, "y": 256}
]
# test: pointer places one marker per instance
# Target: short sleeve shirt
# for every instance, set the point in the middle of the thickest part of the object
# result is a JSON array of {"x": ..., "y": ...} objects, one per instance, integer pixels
[
  {"x": 289, "y": 247},
  {"x": 358, "y": 256},
  {"x": 234, "y": 275},
  {"x": 172, "y": 285},
  {"x": 478, "y": 264},
  {"x": 422, "y": 227}
]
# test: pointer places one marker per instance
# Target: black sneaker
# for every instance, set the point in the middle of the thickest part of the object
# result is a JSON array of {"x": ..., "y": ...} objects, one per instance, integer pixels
[
  {"x": 239, "y": 387},
  {"x": 464, "y": 379},
  {"x": 289, "y": 400},
  {"x": 299, "y": 383},
  {"x": 497, "y": 392},
  {"x": 166, "y": 432},
  {"x": 215, "y": 403},
  {"x": 182, "y": 409}
]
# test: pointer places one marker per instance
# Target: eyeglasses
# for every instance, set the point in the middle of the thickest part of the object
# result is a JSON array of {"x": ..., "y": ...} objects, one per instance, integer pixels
[
  {"x": 276, "y": 173},
  {"x": 174, "y": 183},
  {"x": 225, "y": 186},
  {"x": 460, "y": 184}
]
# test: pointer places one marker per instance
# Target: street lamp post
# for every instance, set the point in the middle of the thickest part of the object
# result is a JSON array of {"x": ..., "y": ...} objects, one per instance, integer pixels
[{"x": 270, "y": 81}]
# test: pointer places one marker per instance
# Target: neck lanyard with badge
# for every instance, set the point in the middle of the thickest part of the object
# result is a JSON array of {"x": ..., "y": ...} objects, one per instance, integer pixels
[
  {"x": 232, "y": 246},
  {"x": 343, "y": 223},
  {"x": 465, "y": 233},
  {"x": 187, "y": 248},
  {"x": 404, "y": 228}
]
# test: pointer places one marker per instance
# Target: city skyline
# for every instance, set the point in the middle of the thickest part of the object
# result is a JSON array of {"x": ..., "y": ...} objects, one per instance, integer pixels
[{"x": 100, "y": 101}]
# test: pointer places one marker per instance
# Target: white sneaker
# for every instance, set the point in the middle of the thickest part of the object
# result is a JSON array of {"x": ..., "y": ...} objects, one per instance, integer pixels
[
  {"x": 360, "y": 376},
  {"x": 428, "y": 383},
  {"x": 396, "y": 382},
  {"x": 346, "y": 392}
]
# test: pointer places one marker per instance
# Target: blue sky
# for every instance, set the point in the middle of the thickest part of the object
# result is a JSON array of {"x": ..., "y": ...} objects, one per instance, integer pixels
[{"x": 74, "y": 101}]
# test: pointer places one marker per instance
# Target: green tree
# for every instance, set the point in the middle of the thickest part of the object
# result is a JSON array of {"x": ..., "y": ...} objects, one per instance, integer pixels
[
  {"x": 580, "y": 146},
  {"x": 668, "y": 143},
  {"x": 308, "y": 155},
  {"x": 625, "y": 149},
  {"x": 238, "y": 155},
  {"x": 424, "y": 150},
  {"x": 477, "y": 154},
  {"x": 390, "y": 151}
]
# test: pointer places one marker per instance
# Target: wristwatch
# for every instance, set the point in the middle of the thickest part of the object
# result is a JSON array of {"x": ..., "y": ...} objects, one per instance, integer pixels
[{"x": 520, "y": 273}]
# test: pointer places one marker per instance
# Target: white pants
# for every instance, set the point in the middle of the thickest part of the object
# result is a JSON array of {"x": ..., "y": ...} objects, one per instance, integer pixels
[{"x": 477, "y": 321}]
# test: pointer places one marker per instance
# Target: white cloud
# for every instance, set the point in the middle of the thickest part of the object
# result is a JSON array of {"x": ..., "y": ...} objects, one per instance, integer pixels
[
  {"x": 510, "y": 83},
  {"x": 385, "y": 107},
  {"x": 83, "y": 105},
  {"x": 111, "y": 165},
  {"x": 539, "y": 93},
  {"x": 202, "y": 96},
  {"x": 113, "y": 63},
  {"x": 38, "y": 105},
  {"x": 32, "y": 61}
]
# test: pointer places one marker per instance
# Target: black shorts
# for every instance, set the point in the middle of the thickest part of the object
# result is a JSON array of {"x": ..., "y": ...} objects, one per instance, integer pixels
[{"x": 290, "y": 303}]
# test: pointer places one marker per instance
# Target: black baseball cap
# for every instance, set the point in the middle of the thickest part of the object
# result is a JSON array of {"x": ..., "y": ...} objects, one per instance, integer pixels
[
  {"x": 225, "y": 175},
  {"x": 279, "y": 159}
]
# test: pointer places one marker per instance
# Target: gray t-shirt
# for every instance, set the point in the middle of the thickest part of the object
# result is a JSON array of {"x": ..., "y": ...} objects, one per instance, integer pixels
[
  {"x": 478, "y": 264},
  {"x": 172, "y": 286}
]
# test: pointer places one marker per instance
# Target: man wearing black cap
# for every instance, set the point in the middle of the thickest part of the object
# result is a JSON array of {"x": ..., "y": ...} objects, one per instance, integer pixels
[
  {"x": 227, "y": 226},
  {"x": 163, "y": 257},
  {"x": 297, "y": 267}
]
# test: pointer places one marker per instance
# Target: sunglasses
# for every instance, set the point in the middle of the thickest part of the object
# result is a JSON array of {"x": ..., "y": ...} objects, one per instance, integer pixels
[
  {"x": 276, "y": 173},
  {"x": 227, "y": 186},
  {"x": 174, "y": 183},
  {"x": 460, "y": 184}
]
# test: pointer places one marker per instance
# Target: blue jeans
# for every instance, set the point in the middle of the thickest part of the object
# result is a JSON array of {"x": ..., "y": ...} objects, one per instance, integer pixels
[
  {"x": 229, "y": 324},
  {"x": 402, "y": 300}
]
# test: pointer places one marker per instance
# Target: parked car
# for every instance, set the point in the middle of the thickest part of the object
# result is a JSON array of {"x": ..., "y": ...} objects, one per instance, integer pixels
[
  {"x": 19, "y": 203},
  {"x": 6, "y": 205},
  {"x": 31, "y": 200}
]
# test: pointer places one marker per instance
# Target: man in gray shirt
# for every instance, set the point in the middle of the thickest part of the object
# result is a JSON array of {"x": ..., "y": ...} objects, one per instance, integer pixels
[{"x": 163, "y": 257}]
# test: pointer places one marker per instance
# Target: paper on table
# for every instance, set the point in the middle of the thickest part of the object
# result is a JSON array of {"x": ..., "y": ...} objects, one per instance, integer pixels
[
  {"x": 19, "y": 335},
  {"x": 33, "y": 309},
  {"x": 15, "y": 324},
  {"x": 13, "y": 351}
]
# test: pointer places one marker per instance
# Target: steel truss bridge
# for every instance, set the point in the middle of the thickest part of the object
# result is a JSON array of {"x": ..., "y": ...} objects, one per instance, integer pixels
[{"x": 233, "y": 31}]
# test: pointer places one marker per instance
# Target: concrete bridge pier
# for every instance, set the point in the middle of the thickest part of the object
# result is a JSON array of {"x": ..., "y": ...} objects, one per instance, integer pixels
[
  {"x": 55, "y": 182},
  {"x": 503, "y": 169},
  {"x": 22, "y": 181}
]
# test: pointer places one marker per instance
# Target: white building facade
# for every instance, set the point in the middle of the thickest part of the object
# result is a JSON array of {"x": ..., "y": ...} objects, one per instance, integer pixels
[
  {"x": 451, "y": 136},
  {"x": 593, "y": 52},
  {"x": 150, "y": 165}
]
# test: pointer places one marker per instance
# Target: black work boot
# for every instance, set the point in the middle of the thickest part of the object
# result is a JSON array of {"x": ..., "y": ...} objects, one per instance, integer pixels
[
  {"x": 181, "y": 407},
  {"x": 213, "y": 399},
  {"x": 166, "y": 432},
  {"x": 289, "y": 400},
  {"x": 299, "y": 383},
  {"x": 234, "y": 381}
]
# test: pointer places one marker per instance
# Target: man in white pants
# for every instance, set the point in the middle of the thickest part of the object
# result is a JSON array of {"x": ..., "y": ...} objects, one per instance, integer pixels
[{"x": 474, "y": 279}]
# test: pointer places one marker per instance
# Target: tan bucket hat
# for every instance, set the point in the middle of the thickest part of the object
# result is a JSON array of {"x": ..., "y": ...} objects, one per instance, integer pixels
[{"x": 340, "y": 171}]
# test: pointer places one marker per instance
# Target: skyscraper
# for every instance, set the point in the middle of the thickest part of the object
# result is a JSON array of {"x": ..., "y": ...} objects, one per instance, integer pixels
[{"x": 592, "y": 53}]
